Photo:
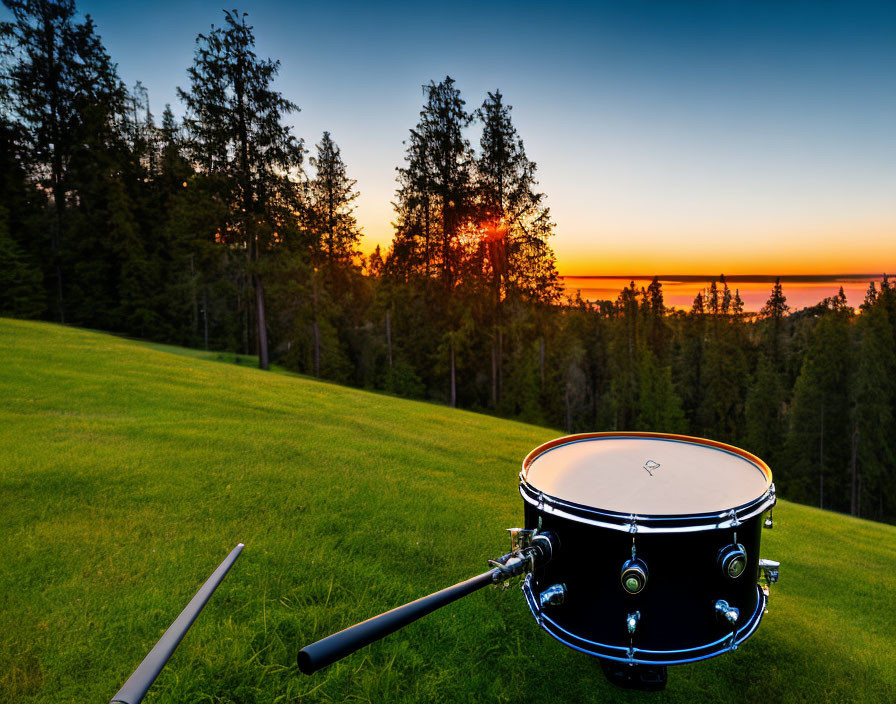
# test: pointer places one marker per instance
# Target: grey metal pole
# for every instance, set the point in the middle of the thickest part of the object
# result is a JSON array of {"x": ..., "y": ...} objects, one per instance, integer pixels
[{"x": 138, "y": 683}]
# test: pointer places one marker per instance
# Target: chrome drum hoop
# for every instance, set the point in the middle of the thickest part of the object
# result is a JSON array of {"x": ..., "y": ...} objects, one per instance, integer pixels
[
  {"x": 632, "y": 523},
  {"x": 637, "y": 656}
]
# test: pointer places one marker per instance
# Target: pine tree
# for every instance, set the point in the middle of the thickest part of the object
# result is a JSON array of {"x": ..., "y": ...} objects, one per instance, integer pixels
[
  {"x": 659, "y": 406},
  {"x": 723, "y": 369},
  {"x": 435, "y": 193},
  {"x": 236, "y": 135},
  {"x": 21, "y": 293},
  {"x": 818, "y": 442},
  {"x": 688, "y": 361},
  {"x": 329, "y": 205},
  {"x": 22, "y": 222},
  {"x": 434, "y": 203},
  {"x": 626, "y": 349},
  {"x": 870, "y": 296},
  {"x": 659, "y": 335},
  {"x": 505, "y": 181},
  {"x": 873, "y": 420},
  {"x": 764, "y": 412},
  {"x": 334, "y": 235},
  {"x": 64, "y": 87},
  {"x": 515, "y": 223}
]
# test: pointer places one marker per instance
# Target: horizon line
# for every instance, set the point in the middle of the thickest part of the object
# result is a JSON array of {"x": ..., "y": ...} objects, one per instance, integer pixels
[{"x": 741, "y": 278}]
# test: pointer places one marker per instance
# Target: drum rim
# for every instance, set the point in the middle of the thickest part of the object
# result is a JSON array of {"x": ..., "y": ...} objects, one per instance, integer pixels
[
  {"x": 641, "y": 656},
  {"x": 726, "y": 518}
]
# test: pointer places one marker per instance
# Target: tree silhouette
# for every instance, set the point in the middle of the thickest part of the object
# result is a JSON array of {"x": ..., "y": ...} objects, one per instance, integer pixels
[
  {"x": 236, "y": 136},
  {"x": 64, "y": 88}
]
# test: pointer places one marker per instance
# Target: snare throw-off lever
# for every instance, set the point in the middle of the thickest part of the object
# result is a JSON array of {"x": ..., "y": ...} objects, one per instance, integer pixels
[{"x": 768, "y": 574}]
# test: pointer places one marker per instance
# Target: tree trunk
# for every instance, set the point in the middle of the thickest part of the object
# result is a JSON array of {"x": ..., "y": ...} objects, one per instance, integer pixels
[
  {"x": 495, "y": 372},
  {"x": 854, "y": 498},
  {"x": 205, "y": 315},
  {"x": 330, "y": 223},
  {"x": 426, "y": 254},
  {"x": 59, "y": 203},
  {"x": 58, "y": 230},
  {"x": 243, "y": 313},
  {"x": 316, "y": 331},
  {"x": 453, "y": 391},
  {"x": 497, "y": 344},
  {"x": 568, "y": 411},
  {"x": 263, "y": 362},
  {"x": 500, "y": 356},
  {"x": 389, "y": 338},
  {"x": 195, "y": 320},
  {"x": 315, "y": 327}
]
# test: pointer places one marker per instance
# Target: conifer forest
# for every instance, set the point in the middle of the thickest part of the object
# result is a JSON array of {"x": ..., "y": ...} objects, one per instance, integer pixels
[{"x": 225, "y": 230}]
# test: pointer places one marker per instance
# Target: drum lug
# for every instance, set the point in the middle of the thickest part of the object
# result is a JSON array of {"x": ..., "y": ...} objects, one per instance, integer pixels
[
  {"x": 773, "y": 495},
  {"x": 726, "y": 612},
  {"x": 554, "y": 595},
  {"x": 631, "y": 622}
]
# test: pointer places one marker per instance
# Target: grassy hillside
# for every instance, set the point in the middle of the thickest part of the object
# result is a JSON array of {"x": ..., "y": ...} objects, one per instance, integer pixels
[{"x": 127, "y": 473}]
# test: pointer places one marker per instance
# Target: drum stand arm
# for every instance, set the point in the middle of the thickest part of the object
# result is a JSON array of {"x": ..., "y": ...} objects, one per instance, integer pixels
[{"x": 328, "y": 650}]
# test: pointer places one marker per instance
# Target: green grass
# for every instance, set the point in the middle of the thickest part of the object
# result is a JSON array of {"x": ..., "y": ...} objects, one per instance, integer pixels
[
  {"x": 246, "y": 360},
  {"x": 127, "y": 473}
]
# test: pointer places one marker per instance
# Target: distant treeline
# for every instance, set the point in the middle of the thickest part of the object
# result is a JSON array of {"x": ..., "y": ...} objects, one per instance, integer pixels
[{"x": 218, "y": 232}]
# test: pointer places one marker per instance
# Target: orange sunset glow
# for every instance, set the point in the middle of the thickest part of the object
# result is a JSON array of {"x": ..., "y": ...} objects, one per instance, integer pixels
[{"x": 607, "y": 249}]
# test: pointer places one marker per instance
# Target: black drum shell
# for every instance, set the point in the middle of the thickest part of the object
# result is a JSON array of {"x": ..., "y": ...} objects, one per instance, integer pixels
[{"x": 678, "y": 620}]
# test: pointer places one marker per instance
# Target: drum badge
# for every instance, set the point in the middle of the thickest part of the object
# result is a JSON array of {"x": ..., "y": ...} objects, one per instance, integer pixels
[{"x": 650, "y": 465}]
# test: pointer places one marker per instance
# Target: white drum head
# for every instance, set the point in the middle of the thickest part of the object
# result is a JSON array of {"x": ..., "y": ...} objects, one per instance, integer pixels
[{"x": 647, "y": 474}]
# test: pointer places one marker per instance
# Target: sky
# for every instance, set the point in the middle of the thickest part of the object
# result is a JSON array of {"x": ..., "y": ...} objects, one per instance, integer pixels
[{"x": 670, "y": 137}]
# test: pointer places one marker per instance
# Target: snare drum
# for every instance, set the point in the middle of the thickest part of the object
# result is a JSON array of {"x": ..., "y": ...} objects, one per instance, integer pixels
[{"x": 658, "y": 535}]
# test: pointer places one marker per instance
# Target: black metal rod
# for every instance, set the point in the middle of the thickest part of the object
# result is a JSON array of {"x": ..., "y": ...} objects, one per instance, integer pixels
[
  {"x": 335, "y": 647},
  {"x": 138, "y": 683}
]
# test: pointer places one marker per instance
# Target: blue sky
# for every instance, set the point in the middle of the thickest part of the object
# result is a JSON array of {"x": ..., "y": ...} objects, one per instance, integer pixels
[{"x": 745, "y": 137}]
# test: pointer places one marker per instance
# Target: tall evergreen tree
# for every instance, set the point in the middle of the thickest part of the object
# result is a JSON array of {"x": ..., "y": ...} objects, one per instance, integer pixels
[
  {"x": 515, "y": 221},
  {"x": 21, "y": 293},
  {"x": 329, "y": 205},
  {"x": 505, "y": 181},
  {"x": 22, "y": 221},
  {"x": 722, "y": 367},
  {"x": 764, "y": 411},
  {"x": 329, "y": 220},
  {"x": 818, "y": 441},
  {"x": 659, "y": 335},
  {"x": 434, "y": 203},
  {"x": 659, "y": 406},
  {"x": 63, "y": 86},
  {"x": 236, "y": 136},
  {"x": 626, "y": 350},
  {"x": 435, "y": 193},
  {"x": 872, "y": 490}
]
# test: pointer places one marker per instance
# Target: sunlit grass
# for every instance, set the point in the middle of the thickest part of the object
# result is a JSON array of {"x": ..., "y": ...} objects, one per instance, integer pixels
[{"x": 128, "y": 473}]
